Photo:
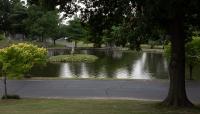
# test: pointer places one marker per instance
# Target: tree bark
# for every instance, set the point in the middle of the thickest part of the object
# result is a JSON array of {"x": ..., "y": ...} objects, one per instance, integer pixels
[
  {"x": 73, "y": 48},
  {"x": 97, "y": 45},
  {"x": 177, "y": 93},
  {"x": 54, "y": 42},
  {"x": 75, "y": 44},
  {"x": 5, "y": 84}
]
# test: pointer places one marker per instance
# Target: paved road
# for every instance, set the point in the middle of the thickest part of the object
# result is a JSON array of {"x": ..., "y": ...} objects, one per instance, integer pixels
[{"x": 119, "y": 89}]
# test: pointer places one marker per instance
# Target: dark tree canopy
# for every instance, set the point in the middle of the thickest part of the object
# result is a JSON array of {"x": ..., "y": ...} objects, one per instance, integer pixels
[
  {"x": 12, "y": 14},
  {"x": 102, "y": 15},
  {"x": 67, "y": 6},
  {"x": 46, "y": 4},
  {"x": 17, "y": 17},
  {"x": 5, "y": 10}
]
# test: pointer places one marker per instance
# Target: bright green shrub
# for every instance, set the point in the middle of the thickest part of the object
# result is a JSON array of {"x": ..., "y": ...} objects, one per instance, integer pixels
[{"x": 20, "y": 58}]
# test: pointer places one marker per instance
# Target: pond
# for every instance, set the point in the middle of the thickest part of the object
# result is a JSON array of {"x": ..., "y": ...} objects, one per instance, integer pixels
[{"x": 111, "y": 64}]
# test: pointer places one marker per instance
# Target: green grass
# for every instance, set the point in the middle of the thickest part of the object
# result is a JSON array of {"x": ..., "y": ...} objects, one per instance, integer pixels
[
  {"x": 53, "y": 106},
  {"x": 73, "y": 58}
]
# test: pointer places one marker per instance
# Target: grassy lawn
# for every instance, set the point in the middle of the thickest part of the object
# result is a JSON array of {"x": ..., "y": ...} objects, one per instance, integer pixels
[{"x": 53, "y": 106}]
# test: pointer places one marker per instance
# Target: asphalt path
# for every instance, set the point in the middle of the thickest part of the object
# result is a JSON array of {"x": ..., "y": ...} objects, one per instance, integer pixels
[{"x": 97, "y": 89}]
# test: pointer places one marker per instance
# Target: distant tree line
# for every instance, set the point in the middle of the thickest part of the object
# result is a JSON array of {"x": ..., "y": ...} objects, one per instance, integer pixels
[{"x": 37, "y": 20}]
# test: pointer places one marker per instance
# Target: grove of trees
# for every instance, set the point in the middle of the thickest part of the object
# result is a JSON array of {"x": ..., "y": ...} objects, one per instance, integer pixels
[{"x": 33, "y": 20}]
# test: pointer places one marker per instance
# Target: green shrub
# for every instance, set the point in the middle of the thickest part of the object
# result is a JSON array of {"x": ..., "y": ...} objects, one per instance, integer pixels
[
  {"x": 18, "y": 59},
  {"x": 73, "y": 58}
]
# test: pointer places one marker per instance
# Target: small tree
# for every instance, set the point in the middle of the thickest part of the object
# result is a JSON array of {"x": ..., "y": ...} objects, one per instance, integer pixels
[
  {"x": 113, "y": 36},
  {"x": 18, "y": 59},
  {"x": 192, "y": 55},
  {"x": 76, "y": 31},
  {"x": 60, "y": 32}
]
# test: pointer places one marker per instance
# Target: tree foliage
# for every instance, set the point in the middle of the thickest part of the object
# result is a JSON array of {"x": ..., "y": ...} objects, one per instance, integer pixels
[
  {"x": 59, "y": 32},
  {"x": 42, "y": 24},
  {"x": 68, "y": 7},
  {"x": 75, "y": 30},
  {"x": 17, "y": 17},
  {"x": 193, "y": 54},
  {"x": 193, "y": 51},
  {"x": 5, "y": 10},
  {"x": 115, "y": 36},
  {"x": 12, "y": 14},
  {"x": 20, "y": 58},
  {"x": 45, "y": 4}
]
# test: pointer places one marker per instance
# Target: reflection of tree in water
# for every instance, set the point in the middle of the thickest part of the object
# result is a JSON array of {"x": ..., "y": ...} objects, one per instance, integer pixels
[
  {"x": 150, "y": 60},
  {"x": 156, "y": 65},
  {"x": 140, "y": 71},
  {"x": 75, "y": 69},
  {"x": 130, "y": 69},
  {"x": 50, "y": 70},
  {"x": 84, "y": 73},
  {"x": 109, "y": 62}
]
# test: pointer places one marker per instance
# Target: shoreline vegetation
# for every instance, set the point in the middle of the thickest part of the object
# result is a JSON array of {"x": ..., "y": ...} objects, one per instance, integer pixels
[
  {"x": 88, "y": 106},
  {"x": 114, "y": 49},
  {"x": 73, "y": 58},
  {"x": 80, "y": 45}
]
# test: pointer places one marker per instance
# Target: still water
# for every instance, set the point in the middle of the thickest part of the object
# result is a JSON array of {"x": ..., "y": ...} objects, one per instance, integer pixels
[{"x": 111, "y": 64}]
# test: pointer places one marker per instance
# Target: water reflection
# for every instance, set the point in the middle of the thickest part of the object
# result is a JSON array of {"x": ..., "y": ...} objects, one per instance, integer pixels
[
  {"x": 139, "y": 71},
  {"x": 84, "y": 73},
  {"x": 65, "y": 71},
  {"x": 111, "y": 64}
]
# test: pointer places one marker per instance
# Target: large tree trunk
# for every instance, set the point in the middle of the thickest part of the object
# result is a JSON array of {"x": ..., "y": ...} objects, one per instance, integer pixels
[{"x": 177, "y": 94}]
